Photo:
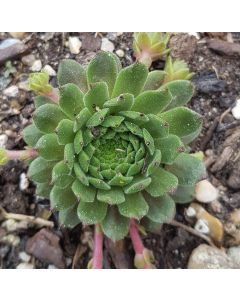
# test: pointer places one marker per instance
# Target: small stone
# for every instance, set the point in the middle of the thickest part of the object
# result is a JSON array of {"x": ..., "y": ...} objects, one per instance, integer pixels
[
  {"x": 10, "y": 225},
  {"x": 23, "y": 256},
  {"x": 120, "y": 53},
  {"x": 3, "y": 140},
  {"x": 207, "y": 257},
  {"x": 25, "y": 266},
  {"x": 191, "y": 212},
  {"x": 11, "y": 48},
  {"x": 28, "y": 60},
  {"x": 11, "y": 92},
  {"x": 74, "y": 44},
  {"x": 205, "y": 192},
  {"x": 235, "y": 217},
  {"x": 234, "y": 254},
  {"x": 18, "y": 35},
  {"x": 37, "y": 66},
  {"x": 24, "y": 183},
  {"x": 119, "y": 33},
  {"x": 11, "y": 239},
  {"x": 49, "y": 70},
  {"x": 107, "y": 45},
  {"x": 236, "y": 110},
  {"x": 24, "y": 85},
  {"x": 208, "y": 83},
  {"x": 52, "y": 267},
  {"x": 202, "y": 226},
  {"x": 224, "y": 48}
]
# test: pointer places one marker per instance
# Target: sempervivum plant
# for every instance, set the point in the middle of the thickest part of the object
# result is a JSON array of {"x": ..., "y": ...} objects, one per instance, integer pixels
[{"x": 111, "y": 148}]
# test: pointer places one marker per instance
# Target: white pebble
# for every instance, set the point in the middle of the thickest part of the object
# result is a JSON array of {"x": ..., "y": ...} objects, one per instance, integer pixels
[
  {"x": 10, "y": 225},
  {"x": 25, "y": 266},
  {"x": 202, "y": 226},
  {"x": 236, "y": 110},
  {"x": 120, "y": 53},
  {"x": 23, "y": 256},
  {"x": 12, "y": 91},
  {"x": 28, "y": 60},
  {"x": 191, "y": 212},
  {"x": 37, "y": 66},
  {"x": 107, "y": 45},
  {"x": 3, "y": 140},
  {"x": 52, "y": 267},
  {"x": 11, "y": 239},
  {"x": 24, "y": 85},
  {"x": 49, "y": 70},
  {"x": 74, "y": 44},
  {"x": 24, "y": 183},
  {"x": 17, "y": 35},
  {"x": 205, "y": 192}
]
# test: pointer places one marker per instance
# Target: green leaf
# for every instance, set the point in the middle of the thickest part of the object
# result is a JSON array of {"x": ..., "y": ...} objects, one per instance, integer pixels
[
  {"x": 80, "y": 174},
  {"x": 83, "y": 192},
  {"x": 170, "y": 147},
  {"x": 120, "y": 180},
  {"x": 92, "y": 212},
  {"x": 65, "y": 132},
  {"x": 49, "y": 148},
  {"x": 181, "y": 90},
  {"x": 138, "y": 117},
  {"x": 113, "y": 196},
  {"x": 183, "y": 122},
  {"x": 96, "y": 96},
  {"x": 69, "y": 155},
  {"x": 184, "y": 194},
  {"x": 78, "y": 141},
  {"x": 31, "y": 134},
  {"x": 41, "y": 100},
  {"x": 71, "y": 100},
  {"x": 149, "y": 142},
  {"x": 84, "y": 161},
  {"x": 99, "y": 183},
  {"x": 151, "y": 226},
  {"x": 43, "y": 190},
  {"x": 138, "y": 184},
  {"x": 154, "y": 80},
  {"x": 97, "y": 118},
  {"x": 69, "y": 217},
  {"x": 161, "y": 210},
  {"x": 81, "y": 119},
  {"x": 47, "y": 117},
  {"x": 154, "y": 162},
  {"x": 130, "y": 80},
  {"x": 103, "y": 67},
  {"x": 187, "y": 168},
  {"x": 112, "y": 121},
  {"x": 134, "y": 206},
  {"x": 152, "y": 102},
  {"x": 40, "y": 170},
  {"x": 162, "y": 182},
  {"x": 61, "y": 175},
  {"x": 114, "y": 225},
  {"x": 157, "y": 127},
  {"x": 62, "y": 198},
  {"x": 123, "y": 102},
  {"x": 135, "y": 168},
  {"x": 70, "y": 71}
]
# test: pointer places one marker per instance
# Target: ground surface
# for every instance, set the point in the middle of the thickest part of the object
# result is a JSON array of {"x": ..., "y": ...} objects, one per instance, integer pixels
[{"x": 217, "y": 80}]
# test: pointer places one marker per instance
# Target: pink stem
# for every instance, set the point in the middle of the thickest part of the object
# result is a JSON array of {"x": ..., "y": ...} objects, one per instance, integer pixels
[
  {"x": 53, "y": 95},
  {"x": 21, "y": 154},
  {"x": 98, "y": 248}
]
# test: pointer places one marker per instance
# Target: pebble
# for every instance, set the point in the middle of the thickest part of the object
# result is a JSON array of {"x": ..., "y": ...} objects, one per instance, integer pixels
[
  {"x": 24, "y": 85},
  {"x": 11, "y": 48},
  {"x": 224, "y": 48},
  {"x": 25, "y": 266},
  {"x": 234, "y": 254},
  {"x": 37, "y": 66},
  {"x": 74, "y": 44},
  {"x": 191, "y": 212},
  {"x": 11, "y": 239},
  {"x": 12, "y": 91},
  {"x": 205, "y": 192},
  {"x": 10, "y": 225},
  {"x": 24, "y": 183},
  {"x": 235, "y": 217},
  {"x": 202, "y": 226},
  {"x": 17, "y": 35},
  {"x": 49, "y": 70},
  {"x": 107, "y": 45},
  {"x": 52, "y": 267},
  {"x": 3, "y": 140},
  {"x": 24, "y": 257},
  {"x": 236, "y": 110},
  {"x": 208, "y": 83},
  {"x": 28, "y": 60},
  {"x": 207, "y": 257},
  {"x": 120, "y": 53}
]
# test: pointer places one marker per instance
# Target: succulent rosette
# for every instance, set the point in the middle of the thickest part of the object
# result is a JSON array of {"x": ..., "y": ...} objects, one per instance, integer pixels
[{"x": 115, "y": 145}]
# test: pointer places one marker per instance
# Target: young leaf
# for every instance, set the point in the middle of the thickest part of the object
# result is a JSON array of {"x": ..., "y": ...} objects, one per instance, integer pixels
[
  {"x": 138, "y": 184},
  {"x": 121, "y": 103},
  {"x": 154, "y": 80},
  {"x": 96, "y": 96}
]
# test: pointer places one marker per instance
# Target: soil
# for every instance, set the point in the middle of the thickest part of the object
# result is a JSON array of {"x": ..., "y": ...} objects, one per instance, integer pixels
[{"x": 217, "y": 81}]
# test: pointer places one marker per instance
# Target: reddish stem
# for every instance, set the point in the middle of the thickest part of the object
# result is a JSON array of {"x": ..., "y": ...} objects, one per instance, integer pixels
[
  {"x": 21, "y": 154},
  {"x": 53, "y": 95},
  {"x": 98, "y": 248}
]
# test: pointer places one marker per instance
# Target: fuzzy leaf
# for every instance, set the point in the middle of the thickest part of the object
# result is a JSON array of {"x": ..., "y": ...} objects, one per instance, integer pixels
[
  {"x": 184, "y": 194},
  {"x": 78, "y": 141},
  {"x": 130, "y": 80},
  {"x": 138, "y": 117},
  {"x": 162, "y": 182},
  {"x": 114, "y": 225},
  {"x": 134, "y": 206},
  {"x": 84, "y": 161},
  {"x": 80, "y": 174},
  {"x": 112, "y": 197},
  {"x": 152, "y": 102},
  {"x": 103, "y": 67},
  {"x": 135, "y": 168},
  {"x": 65, "y": 132},
  {"x": 41, "y": 100},
  {"x": 138, "y": 184},
  {"x": 97, "y": 118},
  {"x": 31, "y": 134},
  {"x": 112, "y": 121},
  {"x": 61, "y": 175},
  {"x": 121, "y": 103},
  {"x": 83, "y": 192},
  {"x": 68, "y": 217},
  {"x": 49, "y": 148},
  {"x": 154, "y": 80},
  {"x": 71, "y": 100},
  {"x": 47, "y": 117},
  {"x": 92, "y": 212},
  {"x": 99, "y": 183},
  {"x": 81, "y": 119},
  {"x": 70, "y": 71},
  {"x": 62, "y": 198},
  {"x": 149, "y": 142},
  {"x": 69, "y": 155},
  {"x": 154, "y": 162},
  {"x": 183, "y": 122},
  {"x": 43, "y": 190},
  {"x": 96, "y": 96},
  {"x": 40, "y": 170},
  {"x": 120, "y": 180},
  {"x": 151, "y": 226},
  {"x": 157, "y": 127}
]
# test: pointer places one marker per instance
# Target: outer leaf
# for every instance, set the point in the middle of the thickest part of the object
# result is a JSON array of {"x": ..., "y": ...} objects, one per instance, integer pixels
[
  {"x": 121, "y": 103},
  {"x": 134, "y": 206},
  {"x": 61, "y": 176},
  {"x": 70, "y": 71},
  {"x": 43, "y": 190},
  {"x": 69, "y": 217},
  {"x": 47, "y": 117},
  {"x": 103, "y": 67},
  {"x": 113, "y": 196},
  {"x": 130, "y": 80},
  {"x": 151, "y": 226},
  {"x": 97, "y": 118},
  {"x": 83, "y": 192},
  {"x": 154, "y": 80},
  {"x": 184, "y": 194},
  {"x": 80, "y": 174},
  {"x": 69, "y": 155},
  {"x": 138, "y": 184},
  {"x": 65, "y": 132},
  {"x": 49, "y": 148},
  {"x": 96, "y": 96},
  {"x": 81, "y": 119},
  {"x": 183, "y": 122},
  {"x": 152, "y": 102},
  {"x": 154, "y": 162},
  {"x": 162, "y": 182},
  {"x": 92, "y": 212},
  {"x": 114, "y": 225},
  {"x": 157, "y": 127},
  {"x": 187, "y": 168},
  {"x": 161, "y": 210},
  {"x": 71, "y": 100},
  {"x": 31, "y": 135},
  {"x": 62, "y": 198},
  {"x": 40, "y": 170},
  {"x": 41, "y": 100}
]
